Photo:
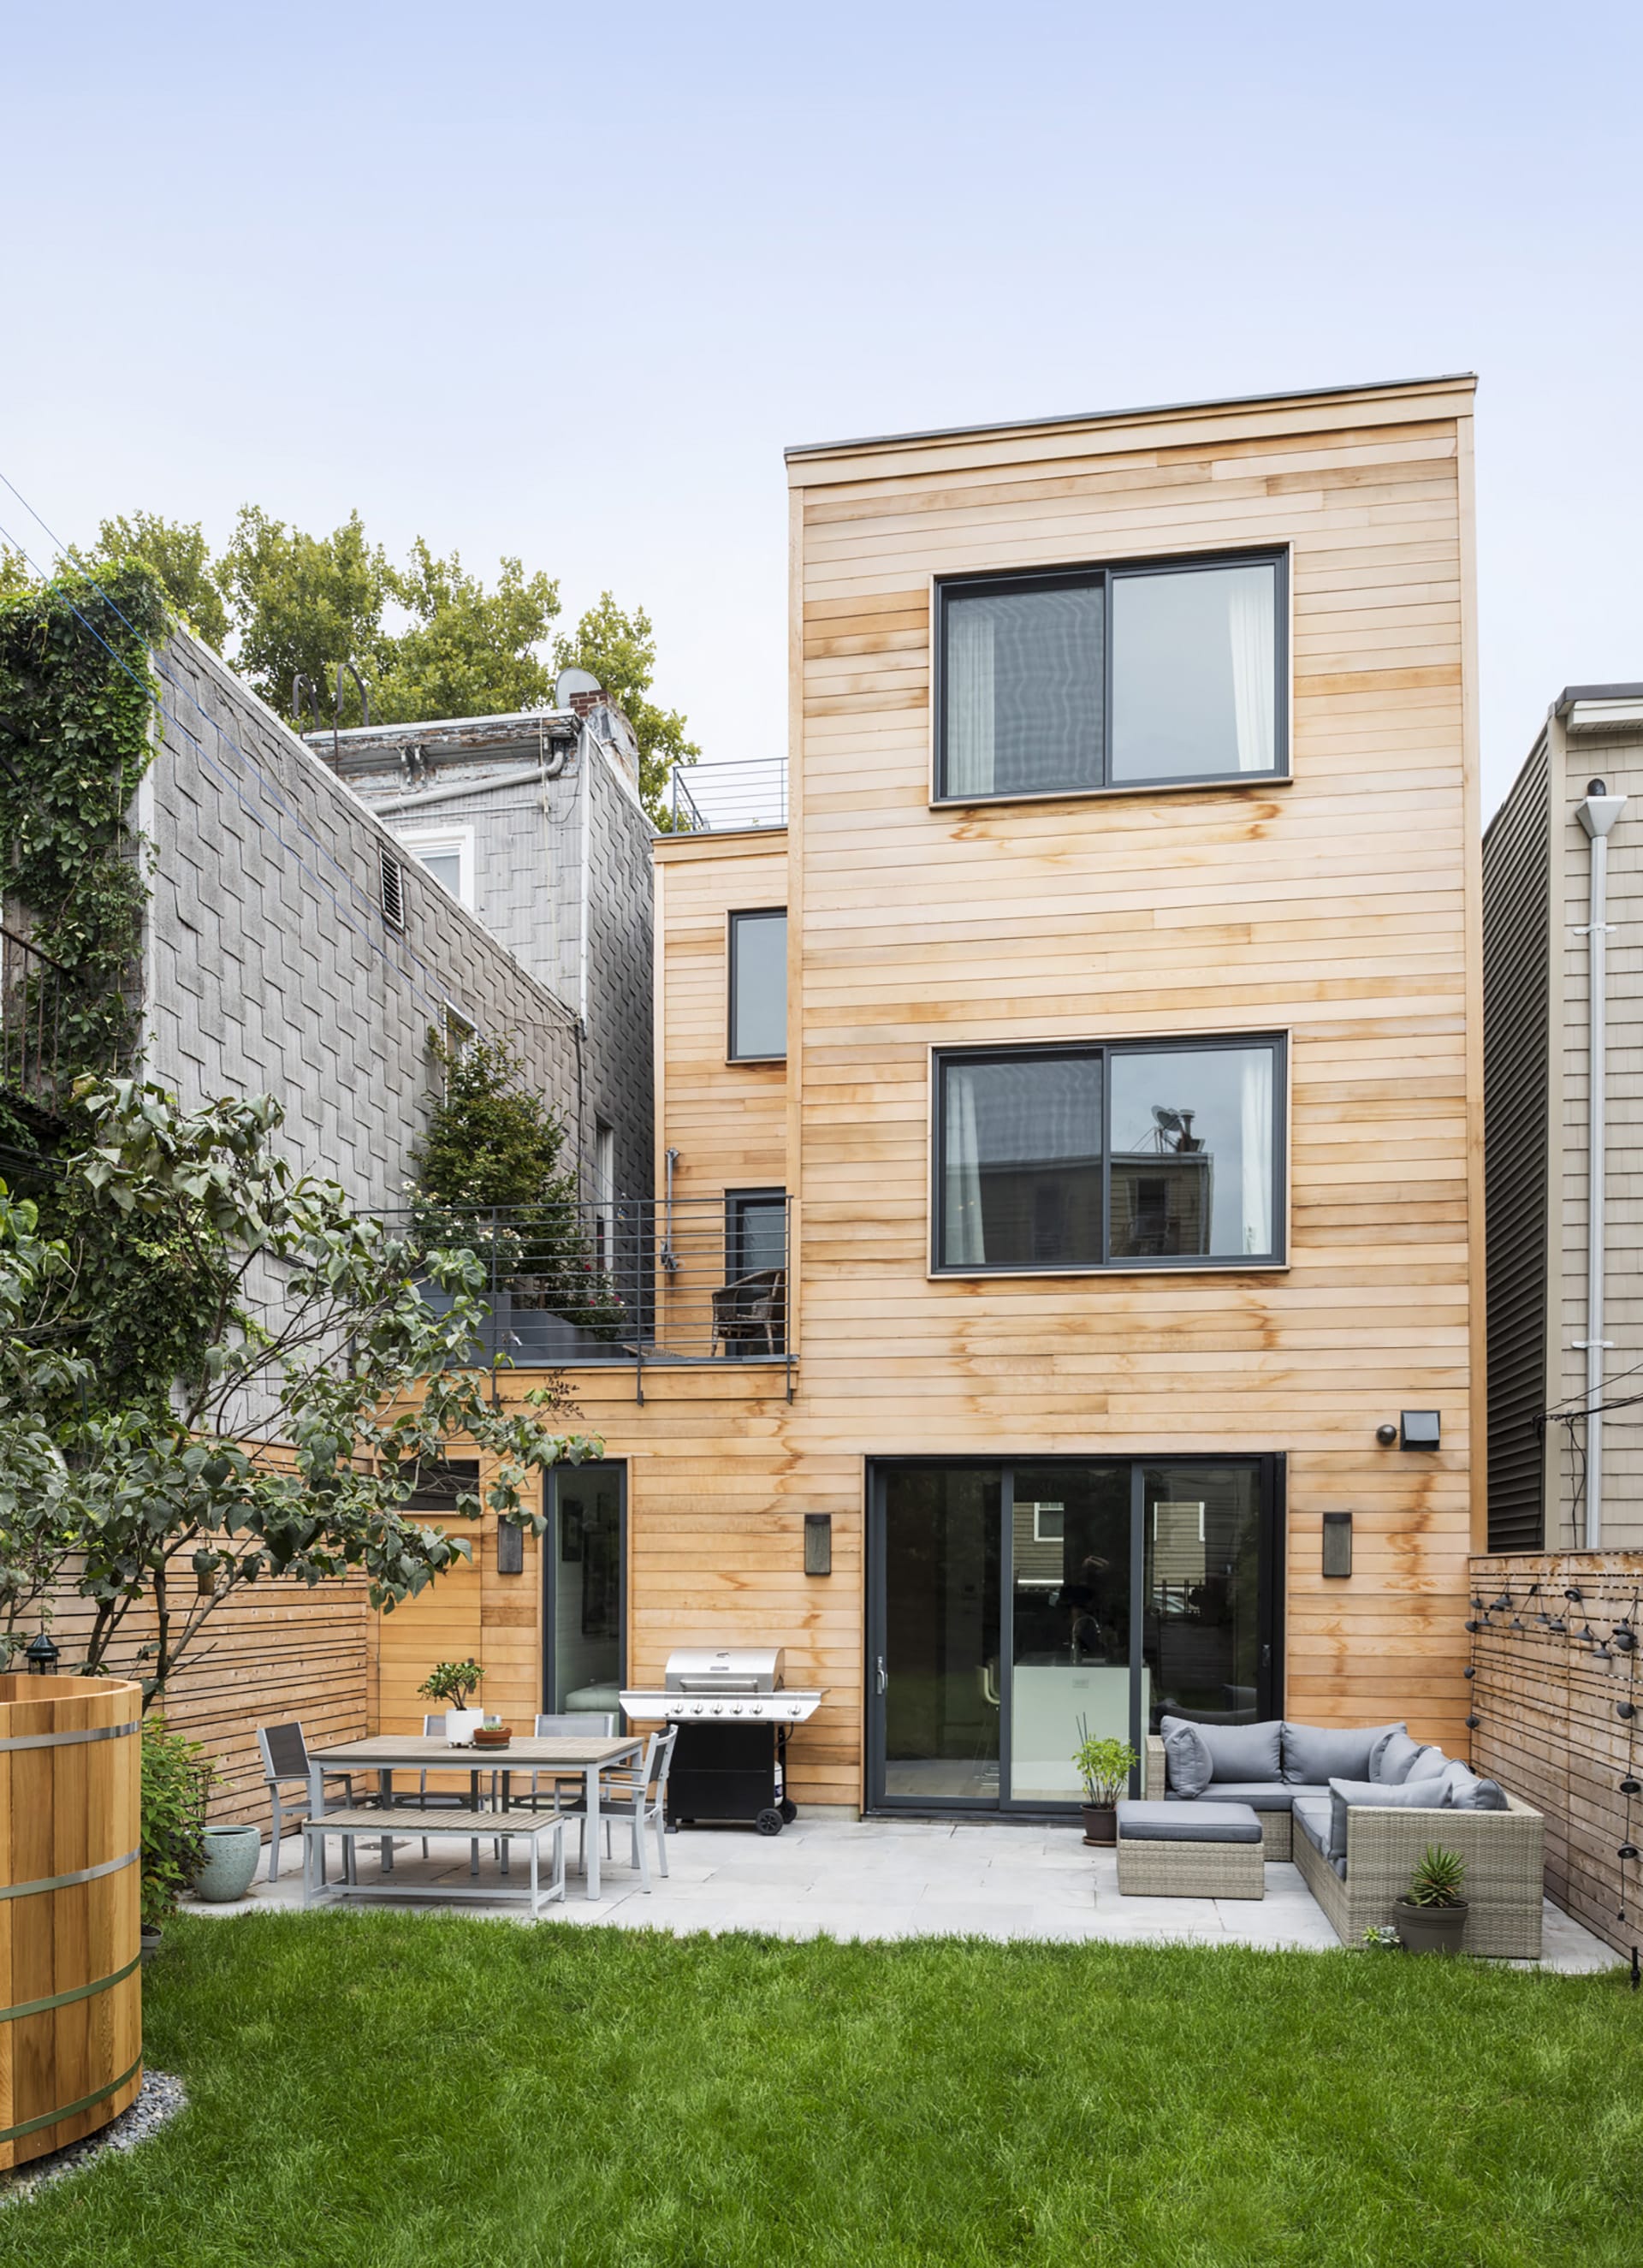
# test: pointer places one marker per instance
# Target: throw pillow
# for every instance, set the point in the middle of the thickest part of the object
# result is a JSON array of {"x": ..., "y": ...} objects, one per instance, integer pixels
[
  {"x": 1391, "y": 1758},
  {"x": 1431, "y": 1763},
  {"x": 1187, "y": 1762},
  {"x": 1344, "y": 1794},
  {"x": 1482, "y": 1795},
  {"x": 1244, "y": 1752},
  {"x": 1456, "y": 1785},
  {"x": 1315, "y": 1754}
]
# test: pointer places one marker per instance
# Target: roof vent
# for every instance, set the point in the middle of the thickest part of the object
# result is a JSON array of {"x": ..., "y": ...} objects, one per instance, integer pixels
[{"x": 393, "y": 891}]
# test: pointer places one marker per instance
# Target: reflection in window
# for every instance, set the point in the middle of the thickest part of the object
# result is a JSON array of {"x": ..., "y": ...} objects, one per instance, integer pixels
[
  {"x": 1202, "y": 1537},
  {"x": 1194, "y": 690},
  {"x": 1192, "y": 1153},
  {"x": 1021, "y": 1147}
]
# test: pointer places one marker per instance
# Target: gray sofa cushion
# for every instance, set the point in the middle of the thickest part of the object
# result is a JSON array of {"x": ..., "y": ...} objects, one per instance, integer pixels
[
  {"x": 1431, "y": 1763},
  {"x": 1186, "y": 1761},
  {"x": 1457, "y": 1785},
  {"x": 1312, "y": 1816},
  {"x": 1188, "y": 1822},
  {"x": 1482, "y": 1795},
  {"x": 1259, "y": 1794},
  {"x": 1316, "y": 1754},
  {"x": 1244, "y": 1752},
  {"x": 1389, "y": 1765},
  {"x": 1347, "y": 1795}
]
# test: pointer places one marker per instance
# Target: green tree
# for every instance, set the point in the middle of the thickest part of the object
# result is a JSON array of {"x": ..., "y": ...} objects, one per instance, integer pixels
[
  {"x": 322, "y": 1386},
  {"x": 180, "y": 558},
  {"x": 490, "y": 1140},
  {"x": 301, "y": 604},
  {"x": 468, "y": 652},
  {"x": 620, "y": 649}
]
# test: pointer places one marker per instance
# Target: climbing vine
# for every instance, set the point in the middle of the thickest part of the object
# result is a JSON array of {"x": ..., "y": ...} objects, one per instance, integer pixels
[{"x": 77, "y": 704}]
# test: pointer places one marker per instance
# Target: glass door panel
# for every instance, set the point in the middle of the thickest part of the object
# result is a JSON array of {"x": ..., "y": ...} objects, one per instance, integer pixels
[
  {"x": 585, "y": 1589},
  {"x": 1070, "y": 1562},
  {"x": 941, "y": 1664},
  {"x": 1200, "y": 1525}
]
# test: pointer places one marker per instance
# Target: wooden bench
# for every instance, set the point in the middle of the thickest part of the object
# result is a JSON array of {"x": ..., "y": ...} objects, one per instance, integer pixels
[{"x": 352, "y": 1827}]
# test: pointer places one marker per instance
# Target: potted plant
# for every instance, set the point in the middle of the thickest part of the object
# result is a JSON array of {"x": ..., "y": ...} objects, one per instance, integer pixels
[
  {"x": 1105, "y": 1766},
  {"x": 453, "y": 1683},
  {"x": 1432, "y": 1918},
  {"x": 177, "y": 1776}
]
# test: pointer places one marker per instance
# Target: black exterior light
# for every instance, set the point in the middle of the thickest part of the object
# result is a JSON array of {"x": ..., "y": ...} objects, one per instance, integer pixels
[
  {"x": 1472, "y": 1723},
  {"x": 1575, "y": 1593},
  {"x": 1502, "y": 1605},
  {"x": 1624, "y": 1638},
  {"x": 41, "y": 1655},
  {"x": 1338, "y": 1544},
  {"x": 1587, "y": 1636},
  {"x": 1628, "y": 1850},
  {"x": 1624, "y": 1709},
  {"x": 1630, "y": 1786},
  {"x": 1474, "y": 1626},
  {"x": 1418, "y": 1429},
  {"x": 1468, "y": 1671},
  {"x": 1386, "y": 1435}
]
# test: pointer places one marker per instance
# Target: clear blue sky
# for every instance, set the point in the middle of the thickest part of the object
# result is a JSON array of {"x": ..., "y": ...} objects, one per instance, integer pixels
[{"x": 562, "y": 281}]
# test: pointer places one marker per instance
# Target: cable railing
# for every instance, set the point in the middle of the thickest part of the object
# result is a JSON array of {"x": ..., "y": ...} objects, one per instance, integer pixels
[
  {"x": 32, "y": 988},
  {"x": 643, "y": 1282},
  {"x": 715, "y": 797}
]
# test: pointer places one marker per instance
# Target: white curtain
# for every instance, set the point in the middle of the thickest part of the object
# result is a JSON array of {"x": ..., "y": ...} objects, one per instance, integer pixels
[
  {"x": 1251, "y": 626},
  {"x": 1255, "y": 1148},
  {"x": 969, "y": 698},
  {"x": 963, "y": 1240}
]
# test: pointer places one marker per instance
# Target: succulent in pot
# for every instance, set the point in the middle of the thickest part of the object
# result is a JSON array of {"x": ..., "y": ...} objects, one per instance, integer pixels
[
  {"x": 1431, "y": 1914},
  {"x": 1105, "y": 1766}
]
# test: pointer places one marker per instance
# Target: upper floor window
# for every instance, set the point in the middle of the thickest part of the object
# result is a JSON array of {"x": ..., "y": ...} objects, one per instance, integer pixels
[
  {"x": 1111, "y": 677},
  {"x": 449, "y": 857},
  {"x": 758, "y": 986},
  {"x": 1154, "y": 1153}
]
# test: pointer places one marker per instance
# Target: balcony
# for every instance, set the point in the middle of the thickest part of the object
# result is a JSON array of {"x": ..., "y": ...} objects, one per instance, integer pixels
[
  {"x": 636, "y": 1283},
  {"x": 718, "y": 798}
]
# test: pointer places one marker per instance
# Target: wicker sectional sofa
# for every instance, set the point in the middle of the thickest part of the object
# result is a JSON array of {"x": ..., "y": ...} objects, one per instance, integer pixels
[{"x": 1503, "y": 1851}]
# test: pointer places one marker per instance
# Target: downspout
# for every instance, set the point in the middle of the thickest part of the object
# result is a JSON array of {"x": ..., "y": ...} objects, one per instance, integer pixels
[{"x": 1597, "y": 815}]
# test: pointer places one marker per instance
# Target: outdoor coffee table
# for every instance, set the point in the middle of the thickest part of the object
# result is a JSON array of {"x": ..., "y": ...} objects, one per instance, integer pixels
[
  {"x": 385, "y": 1753},
  {"x": 1190, "y": 1850}
]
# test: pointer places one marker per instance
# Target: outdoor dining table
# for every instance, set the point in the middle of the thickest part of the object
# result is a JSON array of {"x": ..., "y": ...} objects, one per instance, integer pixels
[{"x": 561, "y": 1757}]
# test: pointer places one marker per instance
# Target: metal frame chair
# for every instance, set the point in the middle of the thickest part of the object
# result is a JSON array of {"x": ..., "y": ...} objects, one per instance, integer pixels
[
  {"x": 284, "y": 1754},
  {"x": 633, "y": 1801}
]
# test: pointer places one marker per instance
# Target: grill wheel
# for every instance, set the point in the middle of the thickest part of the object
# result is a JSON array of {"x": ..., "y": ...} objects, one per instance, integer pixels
[{"x": 768, "y": 1821}]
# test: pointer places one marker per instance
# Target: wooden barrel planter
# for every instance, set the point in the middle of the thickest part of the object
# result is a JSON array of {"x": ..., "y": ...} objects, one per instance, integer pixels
[{"x": 71, "y": 1974}]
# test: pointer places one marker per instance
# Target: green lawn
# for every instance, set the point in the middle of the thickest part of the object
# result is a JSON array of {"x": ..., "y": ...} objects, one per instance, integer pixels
[{"x": 420, "y": 2093}]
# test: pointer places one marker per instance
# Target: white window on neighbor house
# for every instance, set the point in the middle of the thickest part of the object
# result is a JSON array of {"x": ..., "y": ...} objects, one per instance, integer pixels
[
  {"x": 604, "y": 1192},
  {"x": 447, "y": 854}
]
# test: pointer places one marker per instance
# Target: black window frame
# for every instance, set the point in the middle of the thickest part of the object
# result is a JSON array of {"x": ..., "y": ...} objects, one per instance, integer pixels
[
  {"x": 734, "y": 919},
  {"x": 1127, "y": 1264},
  {"x": 552, "y": 1481},
  {"x": 1103, "y": 573}
]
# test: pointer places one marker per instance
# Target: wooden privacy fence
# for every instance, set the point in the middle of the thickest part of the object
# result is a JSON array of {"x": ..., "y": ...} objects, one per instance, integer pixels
[
  {"x": 71, "y": 1978},
  {"x": 1558, "y": 1694}
]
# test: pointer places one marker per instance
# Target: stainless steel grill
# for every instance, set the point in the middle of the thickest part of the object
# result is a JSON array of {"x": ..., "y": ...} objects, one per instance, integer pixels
[{"x": 733, "y": 1714}]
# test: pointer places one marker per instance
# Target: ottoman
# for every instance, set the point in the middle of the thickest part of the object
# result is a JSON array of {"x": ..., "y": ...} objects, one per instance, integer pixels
[{"x": 1190, "y": 1850}]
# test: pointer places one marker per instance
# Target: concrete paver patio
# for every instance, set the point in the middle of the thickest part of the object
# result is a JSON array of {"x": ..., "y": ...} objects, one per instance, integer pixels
[{"x": 879, "y": 1878}]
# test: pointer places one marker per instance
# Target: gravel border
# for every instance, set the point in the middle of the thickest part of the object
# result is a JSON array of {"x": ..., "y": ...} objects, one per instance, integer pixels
[{"x": 159, "y": 2099}]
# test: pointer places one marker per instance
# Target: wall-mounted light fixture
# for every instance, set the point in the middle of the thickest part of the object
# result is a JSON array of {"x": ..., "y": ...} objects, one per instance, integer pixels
[
  {"x": 818, "y": 1543},
  {"x": 40, "y": 1655},
  {"x": 1338, "y": 1544},
  {"x": 1418, "y": 1429},
  {"x": 510, "y": 1548}
]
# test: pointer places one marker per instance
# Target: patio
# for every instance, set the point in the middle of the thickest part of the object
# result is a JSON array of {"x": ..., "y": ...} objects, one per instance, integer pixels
[{"x": 887, "y": 1879}]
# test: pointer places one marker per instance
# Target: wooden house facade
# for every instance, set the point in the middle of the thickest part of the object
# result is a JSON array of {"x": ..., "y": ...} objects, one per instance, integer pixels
[{"x": 1120, "y": 1174}]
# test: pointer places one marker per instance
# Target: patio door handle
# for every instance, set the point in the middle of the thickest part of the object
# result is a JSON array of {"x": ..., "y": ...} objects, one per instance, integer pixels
[{"x": 882, "y": 1674}]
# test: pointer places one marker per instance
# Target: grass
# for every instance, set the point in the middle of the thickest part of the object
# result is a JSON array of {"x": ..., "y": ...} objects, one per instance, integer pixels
[{"x": 407, "y": 2091}]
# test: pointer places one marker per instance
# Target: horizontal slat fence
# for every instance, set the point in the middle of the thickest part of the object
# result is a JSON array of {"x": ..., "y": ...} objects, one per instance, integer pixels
[{"x": 1550, "y": 1726}]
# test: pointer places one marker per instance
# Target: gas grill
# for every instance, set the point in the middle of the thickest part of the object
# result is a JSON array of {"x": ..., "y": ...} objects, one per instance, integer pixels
[{"x": 734, "y": 1715}]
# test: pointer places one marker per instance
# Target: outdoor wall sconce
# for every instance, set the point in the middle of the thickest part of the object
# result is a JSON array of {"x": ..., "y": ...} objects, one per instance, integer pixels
[
  {"x": 1625, "y": 1709},
  {"x": 1418, "y": 1429},
  {"x": 510, "y": 1548},
  {"x": 818, "y": 1543},
  {"x": 41, "y": 1655},
  {"x": 1338, "y": 1544},
  {"x": 1386, "y": 1435},
  {"x": 1624, "y": 1638},
  {"x": 1629, "y": 1786}
]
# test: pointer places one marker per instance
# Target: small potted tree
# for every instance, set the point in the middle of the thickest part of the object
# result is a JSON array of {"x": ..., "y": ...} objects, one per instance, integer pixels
[
  {"x": 453, "y": 1683},
  {"x": 1105, "y": 1766},
  {"x": 1431, "y": 1917}
]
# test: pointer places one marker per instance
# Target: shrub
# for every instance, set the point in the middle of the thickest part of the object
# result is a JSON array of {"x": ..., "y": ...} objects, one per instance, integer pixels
[{"x": 177, "y": 1776}]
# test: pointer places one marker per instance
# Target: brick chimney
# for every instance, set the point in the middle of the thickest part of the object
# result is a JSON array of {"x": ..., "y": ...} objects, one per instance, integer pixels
[{"x": 582, "y": 703}]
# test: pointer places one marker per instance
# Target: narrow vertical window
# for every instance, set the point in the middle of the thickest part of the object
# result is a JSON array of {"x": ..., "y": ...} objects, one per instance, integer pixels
[{"x": 758, "y": 986}]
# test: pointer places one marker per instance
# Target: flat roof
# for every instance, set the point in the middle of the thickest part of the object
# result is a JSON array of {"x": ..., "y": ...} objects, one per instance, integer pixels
[
  {"x": 1573, "y": 693},
  {"x": 1147, "y": 409}
]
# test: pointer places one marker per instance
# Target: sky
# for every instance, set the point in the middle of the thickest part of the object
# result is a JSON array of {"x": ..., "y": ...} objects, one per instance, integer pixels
[{"x": 560, "y": 283}]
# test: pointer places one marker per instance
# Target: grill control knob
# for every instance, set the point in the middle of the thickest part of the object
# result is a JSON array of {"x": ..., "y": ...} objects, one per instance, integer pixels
[
  {"x": 719, "y": 1708},
  {"x": 736, "y": 1711},
  {"x": 757, "y": 1710}
]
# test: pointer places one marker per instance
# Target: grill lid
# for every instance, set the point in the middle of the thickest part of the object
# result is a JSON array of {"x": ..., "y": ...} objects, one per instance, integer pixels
[{"x": 724, "y": 1669}]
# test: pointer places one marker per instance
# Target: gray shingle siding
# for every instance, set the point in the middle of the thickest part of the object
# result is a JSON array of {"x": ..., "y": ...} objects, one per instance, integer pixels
[{"x": 267, "y": 965}]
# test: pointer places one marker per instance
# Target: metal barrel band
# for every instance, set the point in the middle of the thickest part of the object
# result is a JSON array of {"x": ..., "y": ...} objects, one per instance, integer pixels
[
  {"x": 70, "y": 1740},
  {"x": 67, "y": 1881},
  {"x": 63, "y": 2000},
  {"x": 69, "y": 2110}
]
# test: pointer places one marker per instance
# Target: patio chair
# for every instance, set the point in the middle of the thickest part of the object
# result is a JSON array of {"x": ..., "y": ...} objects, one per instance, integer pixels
[
  {"x": 753, "y": 1307},
  {"x": 284, "y": 1755},
  {"x": 568, "y": 1724},
  {"x": 640, "y": 1797},
  {"x": 441, "y": 1800}
]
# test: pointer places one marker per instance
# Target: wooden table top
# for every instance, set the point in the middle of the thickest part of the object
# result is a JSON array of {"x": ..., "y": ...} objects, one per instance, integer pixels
[{"x": 384, "y": 1750}]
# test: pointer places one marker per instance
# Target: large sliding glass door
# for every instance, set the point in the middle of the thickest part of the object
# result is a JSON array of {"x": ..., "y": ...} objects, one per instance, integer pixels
[
  {"x": 1016, "y": 1605},
  {"x": 584, "y": 1565}
]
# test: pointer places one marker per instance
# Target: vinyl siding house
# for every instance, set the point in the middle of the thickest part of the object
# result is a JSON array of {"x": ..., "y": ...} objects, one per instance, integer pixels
[{"x": 1110, "y": 1178}]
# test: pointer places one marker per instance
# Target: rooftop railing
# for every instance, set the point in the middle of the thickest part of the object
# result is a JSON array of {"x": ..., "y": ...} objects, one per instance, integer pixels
[
  {"x": 631, "y": 1282},
  {"x": 33, "y": 991},
  {"x": 713, "y": 798}
]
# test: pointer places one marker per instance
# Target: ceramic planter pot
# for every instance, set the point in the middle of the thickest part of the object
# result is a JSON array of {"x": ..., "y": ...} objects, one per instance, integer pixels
[
  {"x": 1101, "y": 1822},
  {"x": 1430, "y": 1929},
  {"x": 229, "y": 1862}
]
